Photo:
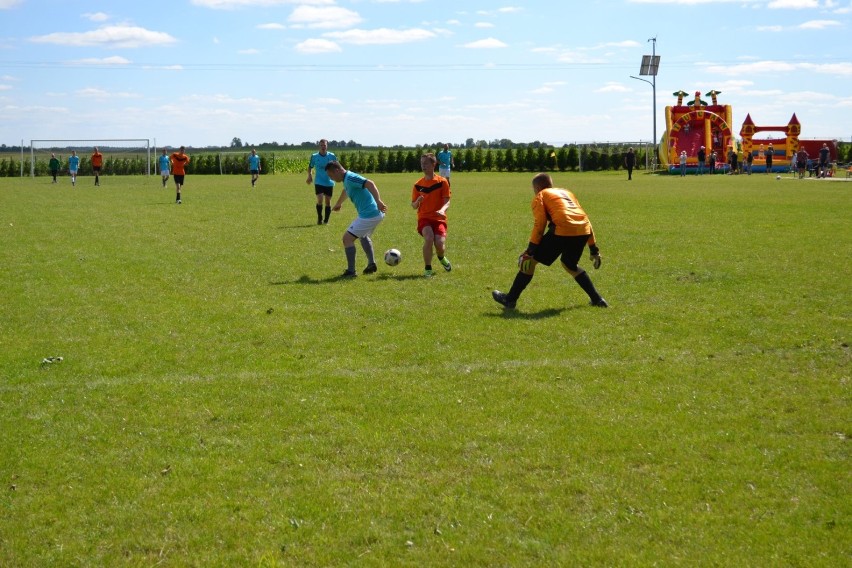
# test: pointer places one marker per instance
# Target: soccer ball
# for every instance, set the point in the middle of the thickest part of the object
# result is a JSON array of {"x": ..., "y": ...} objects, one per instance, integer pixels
[
  {"x": 393, "y": 257},
  {"x": 777, "y": 177}
]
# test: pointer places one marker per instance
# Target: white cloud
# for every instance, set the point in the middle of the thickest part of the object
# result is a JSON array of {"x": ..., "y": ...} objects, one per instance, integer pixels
[
  {"x": 380, "y": 36},
  {"x": 329, "y": 101},
  {"x": 272, "y": 26},
  {"x": 324, "y": 17},
  {"x": 108, "y": 36},
  {"x": 490, "y": 43},
  {"x": 818, "y": 24},
  {"x": 770, "y": 28},
  {"x": 483, "y": 25},
  {"x": 5, "y": 87},
  {"x": 317, "y": 46},
  {"x": 793, "y": 4},
  {"x": 96, "y": 17},
  {"x": 8, "y": 4},
  {"x": 612, "y": 87},
  {"x": 782, "y": 67},
  {"x": 93, "y": 92},
  {"x": 114, "y": 60},
  {"x": 236, "y": 4}
]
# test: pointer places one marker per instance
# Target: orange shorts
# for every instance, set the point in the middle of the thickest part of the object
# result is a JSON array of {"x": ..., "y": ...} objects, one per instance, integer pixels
[{"x": 438, "y": 227}]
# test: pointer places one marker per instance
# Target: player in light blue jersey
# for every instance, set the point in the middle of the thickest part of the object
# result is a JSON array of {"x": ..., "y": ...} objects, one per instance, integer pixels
[
  {"x": 371, "y": 210},
  {"x": 73, "y": 166},
  {"x": 445, "y": 163},
  {"x": 323, "y": 186},
  {"x": 254, "y": 166},
  {"x": 165, "y": 165}
]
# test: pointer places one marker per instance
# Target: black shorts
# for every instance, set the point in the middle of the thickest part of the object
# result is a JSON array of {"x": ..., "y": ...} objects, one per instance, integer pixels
[
  {"x": 323, "y": 189},
  {"x": 178, "y": 178},
  {"x": 96, "y": 169},
  {"x": 255, "y": 172},
  {"x": 552, "y": 247}
]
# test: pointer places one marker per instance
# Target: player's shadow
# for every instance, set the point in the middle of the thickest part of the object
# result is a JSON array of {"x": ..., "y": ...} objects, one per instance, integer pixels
[
  {"x": 542, "y": 314},
  {"x": 305, "y": 279},
  {"x": 302, "y": 226}
]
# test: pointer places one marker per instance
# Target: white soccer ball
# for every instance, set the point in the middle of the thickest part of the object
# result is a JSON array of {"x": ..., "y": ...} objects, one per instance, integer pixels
[
  {"x": 777, "y": 177},
  {"x": 393, "y": 257}
]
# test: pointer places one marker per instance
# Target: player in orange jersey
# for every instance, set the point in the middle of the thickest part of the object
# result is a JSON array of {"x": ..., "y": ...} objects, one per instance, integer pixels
[
  {"x": 431, "y": 197},
  {"x": 179, "y": 161},
  {"x": 97, "y": 164},
  {"x": 568, "y": 231}
]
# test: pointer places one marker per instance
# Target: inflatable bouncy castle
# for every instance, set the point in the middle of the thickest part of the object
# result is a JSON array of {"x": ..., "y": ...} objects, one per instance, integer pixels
[{"x": 697, "y": 126}]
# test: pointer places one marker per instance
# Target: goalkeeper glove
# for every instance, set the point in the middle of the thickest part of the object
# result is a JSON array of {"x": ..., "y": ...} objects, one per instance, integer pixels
[
  {"x": 595, "y": 256},
  {"x": 523, "y": 260}
]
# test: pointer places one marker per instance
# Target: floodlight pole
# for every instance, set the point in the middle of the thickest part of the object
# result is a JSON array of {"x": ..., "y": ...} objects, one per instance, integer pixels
[{"x": 653, "y": 83}]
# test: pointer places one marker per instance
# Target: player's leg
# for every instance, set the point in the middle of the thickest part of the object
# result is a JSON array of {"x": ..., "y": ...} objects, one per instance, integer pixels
[
  {"x": 349, "y": 249},
  {"x": 428, "y": 235},
  {"x": 329, "y": 191},
  {"x": 573, "y": 251},
  {"x": 440, "y": 229},
  {"x": 319, "y": 192}
]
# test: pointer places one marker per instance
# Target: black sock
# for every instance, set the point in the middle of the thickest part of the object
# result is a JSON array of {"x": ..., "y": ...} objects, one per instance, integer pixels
[
  {"x": 327, "y": 212},
  {"x": 319, "y": 212},
  {"x": 586, "y": 284},
  {"x": 518, "y": 286},
  {"x": 428, "y": 267}
]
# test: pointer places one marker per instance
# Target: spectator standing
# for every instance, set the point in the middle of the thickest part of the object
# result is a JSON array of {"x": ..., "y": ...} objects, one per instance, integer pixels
[
  {"x": 629, "y": 163},
  {"x": 702, "y": 159}
]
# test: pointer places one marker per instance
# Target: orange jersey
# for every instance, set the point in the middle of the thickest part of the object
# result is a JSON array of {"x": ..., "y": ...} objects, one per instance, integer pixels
[
  {"x": 435, "y": 192},
  {"x": 97, "y": 160},
  {"x": 178, "y": 162},
  {"x": 560, "y": 208}
]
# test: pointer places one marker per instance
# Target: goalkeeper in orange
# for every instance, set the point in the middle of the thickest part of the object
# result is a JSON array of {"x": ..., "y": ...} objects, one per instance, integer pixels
[{"x": 568, "y": 231}]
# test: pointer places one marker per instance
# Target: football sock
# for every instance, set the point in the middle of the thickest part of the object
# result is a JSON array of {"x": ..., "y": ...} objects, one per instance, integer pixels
[
  {"x": 367, "y": 245},
  {"x": 428, "y": 267},
  {"x": 319, "y": 212},
  {"x": 586, "y": 284},
  {"x": 327, "y": 213},
  {"x": 518, "y": 286},
  {"x": 350, "y": 257}
]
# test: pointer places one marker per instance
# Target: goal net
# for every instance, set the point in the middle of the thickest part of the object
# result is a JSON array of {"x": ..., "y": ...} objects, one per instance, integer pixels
[{"x": 121, "y": 156}]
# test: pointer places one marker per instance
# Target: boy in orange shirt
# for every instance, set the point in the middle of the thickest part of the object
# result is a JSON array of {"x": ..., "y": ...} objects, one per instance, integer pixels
[
  {"x": 568, "y": 231},
  {"x": 431, "y": 197},
  {"x": 97, "y": 163},
  {"x": 179, "y": 161}
]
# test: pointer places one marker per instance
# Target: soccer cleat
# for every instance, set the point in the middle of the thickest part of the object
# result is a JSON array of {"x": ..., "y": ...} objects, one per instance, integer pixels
[
  {"x": 428, "y": 273},
  {"x": 601, "y": 303},
  {"x": 178, "y": 202},
  {"x": 445, "y": 262},
  {"x": 501, "y": 299},
  {"x": 349, "y": 274},
  {"x": 371, "y": 268}
]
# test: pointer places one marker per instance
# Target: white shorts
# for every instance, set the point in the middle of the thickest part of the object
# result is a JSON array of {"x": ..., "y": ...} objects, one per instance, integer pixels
[
  {"x": 444, "y": 172},
  {"x": 362, "y": 227},
  {"x": 164, "y": 173},
  {"x": 72, "y": 172}
]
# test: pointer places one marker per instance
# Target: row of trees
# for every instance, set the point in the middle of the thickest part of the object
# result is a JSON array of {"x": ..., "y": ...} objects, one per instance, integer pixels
[{"x": 478, "y": 159}]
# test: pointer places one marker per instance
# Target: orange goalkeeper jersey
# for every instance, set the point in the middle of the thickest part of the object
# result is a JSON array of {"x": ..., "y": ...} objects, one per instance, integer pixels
[
  {"x": 559, "y": 207},
  {"x": 179, "y": 162},
  {"x": 97, "y": 160},
  {"x": 435, "y": 192}
]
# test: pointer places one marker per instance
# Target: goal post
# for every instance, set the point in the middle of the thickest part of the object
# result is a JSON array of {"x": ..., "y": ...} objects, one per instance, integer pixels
[{"x": 122, "y": 156}]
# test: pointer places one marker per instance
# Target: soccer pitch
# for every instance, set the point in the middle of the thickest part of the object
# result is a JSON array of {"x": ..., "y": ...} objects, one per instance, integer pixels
[{"x": 224, "y": 399}]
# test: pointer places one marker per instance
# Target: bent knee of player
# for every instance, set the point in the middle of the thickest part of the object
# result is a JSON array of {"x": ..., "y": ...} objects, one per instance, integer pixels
[{"x": 574, "y": 271}]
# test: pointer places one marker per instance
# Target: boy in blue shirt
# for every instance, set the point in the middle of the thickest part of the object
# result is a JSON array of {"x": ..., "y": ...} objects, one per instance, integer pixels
[
  {"x": 254, "y": 166},
  {"x": 324, "y": 186},
  {"x": 73, "y": 166},
  {"x": 371, "y": 210},
  {"x": 165, "y": 165}
]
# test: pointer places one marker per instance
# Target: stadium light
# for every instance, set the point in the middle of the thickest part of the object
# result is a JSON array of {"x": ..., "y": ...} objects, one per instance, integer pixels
[{"x": 650, "y": 66}]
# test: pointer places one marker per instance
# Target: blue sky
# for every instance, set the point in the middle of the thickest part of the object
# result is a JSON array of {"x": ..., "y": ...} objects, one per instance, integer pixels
[{"x": 385, "y": 72}]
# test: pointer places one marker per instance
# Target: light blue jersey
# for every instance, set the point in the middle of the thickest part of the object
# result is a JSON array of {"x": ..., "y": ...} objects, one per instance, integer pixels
[
  {"x": 363, "y": 200},
  {"x": 74, "y": 163},
  {"x": 319, "y": 162},
  {"x": 164, "y": 163},
  {"x": 445, "y": 158},
  {"x": 254, "y": 162}
]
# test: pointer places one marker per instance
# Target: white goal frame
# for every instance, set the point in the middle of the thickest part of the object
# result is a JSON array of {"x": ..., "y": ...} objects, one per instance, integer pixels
[{"x": 70, "y": 144}]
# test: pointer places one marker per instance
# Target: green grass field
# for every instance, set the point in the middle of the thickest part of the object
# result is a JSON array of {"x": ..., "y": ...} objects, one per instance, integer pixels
[{"x": 225, "y": 400}]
